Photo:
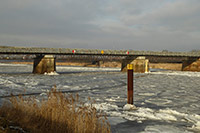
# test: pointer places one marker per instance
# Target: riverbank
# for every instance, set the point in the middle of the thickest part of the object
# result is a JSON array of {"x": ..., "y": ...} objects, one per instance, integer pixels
[
  {"x": 167, "y": 66},
  {"x": 58, "y": 113}
]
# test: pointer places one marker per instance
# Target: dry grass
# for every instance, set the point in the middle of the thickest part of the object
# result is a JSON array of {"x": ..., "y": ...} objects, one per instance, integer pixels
[
  {"x": 56, "y": 114},
  {"x": 168, "y": 66}
]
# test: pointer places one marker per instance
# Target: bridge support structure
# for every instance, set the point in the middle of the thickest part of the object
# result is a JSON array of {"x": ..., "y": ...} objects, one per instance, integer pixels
[
  {"x": 140, "y": 64},
  {"x": 191, "y": 64},
  {"x": 100, "y": 63},
  {"x": 44, "y": 64}
]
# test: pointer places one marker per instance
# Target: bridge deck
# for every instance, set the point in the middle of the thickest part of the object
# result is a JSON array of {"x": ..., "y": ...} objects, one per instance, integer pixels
[{"x": 68, "y": 51}]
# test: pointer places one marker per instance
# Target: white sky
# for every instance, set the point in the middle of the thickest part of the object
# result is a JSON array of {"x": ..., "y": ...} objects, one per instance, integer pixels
[{"x": 101, "y": 24}]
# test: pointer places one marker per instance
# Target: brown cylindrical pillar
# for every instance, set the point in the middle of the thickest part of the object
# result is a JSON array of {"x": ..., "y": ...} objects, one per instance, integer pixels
[{"x": 130, "y": 83}]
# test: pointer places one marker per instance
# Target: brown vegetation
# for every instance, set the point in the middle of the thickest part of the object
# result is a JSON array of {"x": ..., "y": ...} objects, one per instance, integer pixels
[
  {"x": 168, "y": 66},
  {"x": 56, "y": 114},
  {"x": 111, "y": 64}
]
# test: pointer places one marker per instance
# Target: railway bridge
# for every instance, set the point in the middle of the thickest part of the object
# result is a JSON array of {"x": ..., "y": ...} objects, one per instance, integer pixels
[{"x": 45, "y": 60}]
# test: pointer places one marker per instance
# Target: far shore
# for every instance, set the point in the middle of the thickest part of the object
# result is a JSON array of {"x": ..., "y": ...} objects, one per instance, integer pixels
[{"x": 168, "y": 66}]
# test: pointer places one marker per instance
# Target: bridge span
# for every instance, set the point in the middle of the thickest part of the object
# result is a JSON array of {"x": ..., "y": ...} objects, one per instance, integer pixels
[{"x": 45, "y": 57}]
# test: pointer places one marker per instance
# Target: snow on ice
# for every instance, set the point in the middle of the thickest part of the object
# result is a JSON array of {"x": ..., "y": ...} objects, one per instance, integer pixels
[{"x": 166, "y": 101}]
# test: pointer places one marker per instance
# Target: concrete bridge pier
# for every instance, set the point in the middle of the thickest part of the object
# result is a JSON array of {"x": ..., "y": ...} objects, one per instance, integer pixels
[
  {"x": 140, "y": 64},
  {"x": 44, "y": 64},
  {"x": 191, "y": 64},
  {"x": 100, "y": 63}
]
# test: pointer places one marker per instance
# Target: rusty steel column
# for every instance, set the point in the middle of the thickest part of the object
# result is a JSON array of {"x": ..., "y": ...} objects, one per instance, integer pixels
[{"x": 130, "y": 83}]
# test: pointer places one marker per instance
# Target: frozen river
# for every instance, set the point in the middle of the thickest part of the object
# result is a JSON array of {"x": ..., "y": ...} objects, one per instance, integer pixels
[{"x": 166, "y": 101}]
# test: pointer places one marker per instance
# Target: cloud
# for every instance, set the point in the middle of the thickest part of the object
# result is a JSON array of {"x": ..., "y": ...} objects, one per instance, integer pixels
[
  {"x": 172, "y": 15},
  {"x": 107, "y": 24}
]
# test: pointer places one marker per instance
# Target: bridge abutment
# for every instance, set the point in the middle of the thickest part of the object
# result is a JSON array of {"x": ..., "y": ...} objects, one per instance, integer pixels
[
  {"x": 191, "y": 64},
  {"x": 140, "y": 64},
  {"x": 44, "y": 64}
]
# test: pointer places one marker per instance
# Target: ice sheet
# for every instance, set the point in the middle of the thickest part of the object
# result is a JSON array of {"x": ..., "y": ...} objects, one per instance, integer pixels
[{"x": 166, "y": 101}]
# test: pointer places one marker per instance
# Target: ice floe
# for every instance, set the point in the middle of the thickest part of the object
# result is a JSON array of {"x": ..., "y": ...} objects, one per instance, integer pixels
[
  {"x": 129, "y": 107},
  {"x": 141, "y": 114},
  {"x": 179, "y": 73},
  {"x": 51, "y": 73}
]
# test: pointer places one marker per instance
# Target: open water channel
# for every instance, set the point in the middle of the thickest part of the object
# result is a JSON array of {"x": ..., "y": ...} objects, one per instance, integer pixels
[{"x": 166, "y": 101}]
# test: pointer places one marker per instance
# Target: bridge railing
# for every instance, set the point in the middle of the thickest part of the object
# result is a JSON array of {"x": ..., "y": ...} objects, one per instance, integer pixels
[{"x": 68, "y": 51}]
